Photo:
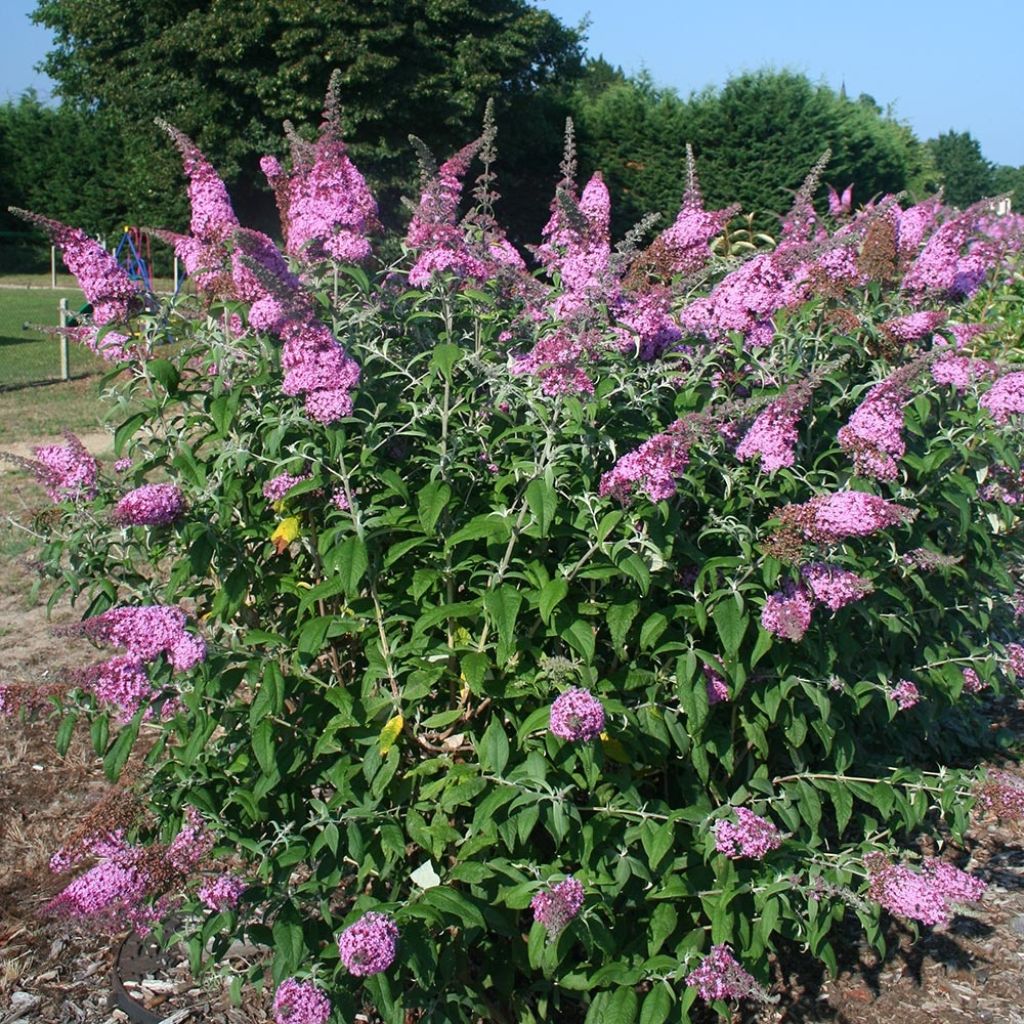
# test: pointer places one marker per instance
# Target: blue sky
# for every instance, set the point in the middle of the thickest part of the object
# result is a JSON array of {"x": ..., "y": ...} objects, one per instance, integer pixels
[{"x": 940, "y": 64}]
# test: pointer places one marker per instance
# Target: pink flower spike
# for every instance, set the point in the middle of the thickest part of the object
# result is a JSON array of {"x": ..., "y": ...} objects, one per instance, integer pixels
[
  {"x": 577, "y": 715},
  {"x": 368, "y": 946}
]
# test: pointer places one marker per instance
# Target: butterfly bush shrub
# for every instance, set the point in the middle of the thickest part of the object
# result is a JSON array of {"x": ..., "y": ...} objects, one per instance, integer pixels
[{"x": 518, "y": 646}]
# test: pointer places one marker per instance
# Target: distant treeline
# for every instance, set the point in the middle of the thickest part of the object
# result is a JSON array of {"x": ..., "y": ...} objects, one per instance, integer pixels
[{"x": 97, "y": 160}]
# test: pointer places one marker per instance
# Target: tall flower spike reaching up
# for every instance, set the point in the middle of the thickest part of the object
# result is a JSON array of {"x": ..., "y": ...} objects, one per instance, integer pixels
[
  {"x": 798, "y": 224},
  {"x": 684, "y": 247},
  {"x": 213, "y": 218},
  {"x": 326, "y": 207},
  {"x": 67, "y": 472}
]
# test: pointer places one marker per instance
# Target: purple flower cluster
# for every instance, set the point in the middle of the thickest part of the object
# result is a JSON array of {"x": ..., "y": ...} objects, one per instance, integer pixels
[
  {"x": 222, "y": 892},
  {"x": 1005, "y": 398},
  {"x": 300, "y": 1002},
  {"x": 368, "y": 946},
  {"x": 685, "y": 243},
  {"x": 717, "y": 690},
  {"x": 577, "y": 715},
  {"x": 961, "y": 371},
  {"x": 834, "y": 586},
  {"x": 655, "y": 465},
  {"x": 720, "y": 976},
  {"x": 66, "y": 471},
  {"x": 112, "y": 294},
  {"x": 973, "y": 683},
  {"x": 772, "y": 435},
  {"x": 914, "y": 326},
  {"x": 787, "y": 612},
  {"x": 749, "y": 836},
  {"x": 874, "y": 433},
  {"x": 557, "y": 906},
  {"x": 150, "y": 505},
  {"x": 845, "y": 514},
  {"x": 1015, "y": 659},
  {"x": 649, "y": 327},
  {"x": 745, "y": 301},
  {"x": 144, "y": 633},
  {"x": 905, "y": 694},
  {"x": 923, "y": 896},
  {"x": 325, "y": 205},
  {"x": 579, "y": 250},
  {"x": 557, "y": 361},
  {"x": 280, "y": 485}
]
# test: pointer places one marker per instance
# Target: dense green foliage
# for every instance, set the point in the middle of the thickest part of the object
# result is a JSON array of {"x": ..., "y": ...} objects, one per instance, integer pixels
[
  {"x": 755, "y": 138},
  {"x": 966, "y": 175},
  {"x": 372, "y": 727},
  {"x": 229, "y": 72}
]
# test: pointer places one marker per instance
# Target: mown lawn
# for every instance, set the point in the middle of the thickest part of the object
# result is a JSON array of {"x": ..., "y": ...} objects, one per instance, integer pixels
[{"x": 27, "y": 356}]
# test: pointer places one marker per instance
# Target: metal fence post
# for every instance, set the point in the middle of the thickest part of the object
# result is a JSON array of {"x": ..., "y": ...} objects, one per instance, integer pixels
[
  {"x": 53, "y": 266},
  {"x": 65, "y": 367}
]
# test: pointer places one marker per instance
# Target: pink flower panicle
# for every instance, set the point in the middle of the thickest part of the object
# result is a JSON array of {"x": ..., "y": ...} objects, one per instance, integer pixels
[
  {"x": 121, "y": 682},
  {"x": 222, "y": 892},
  {"x": 716, "y": 687},
  {"x": 1015, "y": 660},
  {"x": 558, "y": 362},
  {"x": 787, "y": 612},
  {"x": 577, "y": 715},
  {"x": 150, "y": 505},
  {"x": 923, "y": 896},
  {"x": 973, "y": 683},
  {"x": 300, "y": 1002},
  {"x": 961, "y": 371},
  {"x": 368, "y": 946},
  {"x": 107, "y": 286},
  {"x": 146, "y": 632},
  {"x": 750, "y": 836},
  {"x": 905, "y": 694},
  {"x": 326, "y": 207},
  {"x": 720, "y": 976},
  {"x": 213, "y": 218},
  {"x": 277, "y": 488},
  {"x": 834, "y": 586},
  {"x": 556, "y": 906},
  {"x": 834, "y": 517},
  {"x": 67, "y": 471},
  {"x": 1005, "y": 398},
  {"x": 773, "y": 434},
  {"x": 649, "y": 327},
  {"x": 914, "y": 326},
  {"x": 686, "y": 243}
]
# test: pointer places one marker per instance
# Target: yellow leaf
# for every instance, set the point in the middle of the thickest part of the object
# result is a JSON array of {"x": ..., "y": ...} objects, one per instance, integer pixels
[
  {"x": 613, "y": 749},
  {"x": 287, "y": 531},
  {"x": 388, "y": 735}
]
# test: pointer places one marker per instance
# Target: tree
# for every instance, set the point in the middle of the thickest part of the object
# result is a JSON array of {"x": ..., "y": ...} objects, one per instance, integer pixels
[
  {"x": 755, "y": 140},
  {"x": 1009, "y": 180},
  {"x": 966, "y": 174},
  {"x": 227, "y": 72}
]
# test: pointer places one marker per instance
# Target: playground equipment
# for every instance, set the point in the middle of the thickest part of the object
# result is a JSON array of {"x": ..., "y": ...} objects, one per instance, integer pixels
[{"x": 135, "y": 254}]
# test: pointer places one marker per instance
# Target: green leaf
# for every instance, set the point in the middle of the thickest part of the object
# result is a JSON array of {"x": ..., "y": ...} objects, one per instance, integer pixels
[
  {"x": 621, "y": 1008},
  {"x": 486, "y": 525},
  {"x": 730, "y": 623},
  {"x": 493, "y": 747},
  {"x": 431, "y": 502},
  {"x": 580, "y": 637},
  {"x": 443, "y": 358},
  {"x": 502, "y": 605},
  {"x": 454, "y": 904},
  {"x": 551, "y": 595},
  {"x": 657, "y": 1005},
  {"x": 351, "y": 563},
  {"x": 120, "y": 750},
  {"x": 126, "y": 430},
  {"x": 64, "y": 733},
  {"x": 263, "y": 746},
  {"x": 543, "y": 502},
  {"x": 289, "y": 943},
  {"x": 620, "y": 617},
  {"x": 164, "y": 371}
]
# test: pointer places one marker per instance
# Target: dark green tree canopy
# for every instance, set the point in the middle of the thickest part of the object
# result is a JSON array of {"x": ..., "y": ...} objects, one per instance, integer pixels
[
  {"x": 228, "y": 72},
  {"x": 966, "y": 174}
]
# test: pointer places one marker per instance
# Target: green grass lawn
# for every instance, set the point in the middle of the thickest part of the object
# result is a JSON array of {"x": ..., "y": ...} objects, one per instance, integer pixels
[{"x": 28, "y": 357}]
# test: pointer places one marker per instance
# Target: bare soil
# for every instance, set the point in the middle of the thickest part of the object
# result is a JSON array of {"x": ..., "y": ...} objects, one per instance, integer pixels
[{"x": 972, "y": 972}]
